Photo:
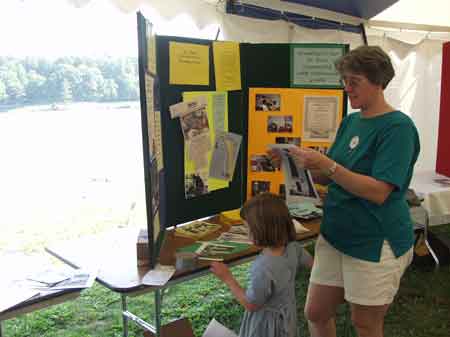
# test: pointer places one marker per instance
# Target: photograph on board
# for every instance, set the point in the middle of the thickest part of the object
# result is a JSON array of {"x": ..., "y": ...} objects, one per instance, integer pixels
[
  {"x": 268, "y": 102},
  {"x": 279, "y": 124}
]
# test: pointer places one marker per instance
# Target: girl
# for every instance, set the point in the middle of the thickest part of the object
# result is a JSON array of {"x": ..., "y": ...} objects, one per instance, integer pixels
[{"x": 270, "y": 297}]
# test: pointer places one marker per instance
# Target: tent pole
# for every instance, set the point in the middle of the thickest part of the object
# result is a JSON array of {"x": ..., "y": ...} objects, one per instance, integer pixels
[{"x": 363, "y": 33}]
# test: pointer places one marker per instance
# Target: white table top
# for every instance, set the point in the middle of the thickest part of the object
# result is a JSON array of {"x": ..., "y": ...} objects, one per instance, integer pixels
[{"x": 436, "y": 195}]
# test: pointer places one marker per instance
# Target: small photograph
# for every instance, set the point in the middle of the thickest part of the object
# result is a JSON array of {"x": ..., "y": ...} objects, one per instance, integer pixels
[
  {"x": 259, "y": 186},
  {"x": 302, "y": 185},
  {"x": 282, "y": 191},
  {"x": 268, "y": 102},
  {"x": 321, "y": 149},
  {"x": 288, "y": 140},
  {"x": 194, "y": 123},
  {"x": 261, "y": 163},
  {"x": 195, "y": 185},
  {"x": 279, "y": 124}
]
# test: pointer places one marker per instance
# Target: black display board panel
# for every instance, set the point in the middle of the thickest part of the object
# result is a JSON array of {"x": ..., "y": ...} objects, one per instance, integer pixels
[{"x": 180, "y": 209}]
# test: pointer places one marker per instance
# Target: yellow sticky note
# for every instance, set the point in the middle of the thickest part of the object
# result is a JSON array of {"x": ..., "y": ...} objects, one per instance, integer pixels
[
  {"x": 227, "y": 65},
  {"x": 188, "y": 63}
]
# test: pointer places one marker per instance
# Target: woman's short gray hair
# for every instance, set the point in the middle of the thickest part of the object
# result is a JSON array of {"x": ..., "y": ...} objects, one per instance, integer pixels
[{"x": 370, "y": 61}]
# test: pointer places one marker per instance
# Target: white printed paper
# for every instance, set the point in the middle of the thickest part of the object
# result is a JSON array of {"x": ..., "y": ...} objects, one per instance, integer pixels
[
  {"x": 225, "y": 152},
  {"x": 159, "y": 276},
  {"x": 298, "y": 180},
  {"x": 215, "y": 329}
]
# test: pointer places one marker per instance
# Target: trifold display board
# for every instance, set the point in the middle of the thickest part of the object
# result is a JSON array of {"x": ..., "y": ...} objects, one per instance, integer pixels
[{"x": 233, "y": 79}]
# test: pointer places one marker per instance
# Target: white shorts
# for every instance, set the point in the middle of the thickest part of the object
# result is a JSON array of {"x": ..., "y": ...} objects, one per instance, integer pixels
[{"x": 364, "y": 282}]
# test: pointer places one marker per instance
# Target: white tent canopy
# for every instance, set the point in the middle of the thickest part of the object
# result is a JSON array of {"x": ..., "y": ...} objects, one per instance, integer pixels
[{"x": 416, "y": 54}]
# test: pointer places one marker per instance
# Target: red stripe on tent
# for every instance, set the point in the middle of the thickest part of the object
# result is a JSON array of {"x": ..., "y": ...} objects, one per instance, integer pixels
[{"x": 443, "y": 149}]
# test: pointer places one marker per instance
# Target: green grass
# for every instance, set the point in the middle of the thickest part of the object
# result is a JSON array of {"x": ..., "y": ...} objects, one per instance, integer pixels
[{"x": 421, "y": 309}]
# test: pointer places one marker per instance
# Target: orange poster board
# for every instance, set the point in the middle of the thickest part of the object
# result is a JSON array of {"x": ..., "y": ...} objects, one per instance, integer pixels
[{"x": 278, "y": 115}]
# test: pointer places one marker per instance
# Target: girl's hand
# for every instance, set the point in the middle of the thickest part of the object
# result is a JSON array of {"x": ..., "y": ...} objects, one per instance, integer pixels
[{"x": 221, "y": 271}]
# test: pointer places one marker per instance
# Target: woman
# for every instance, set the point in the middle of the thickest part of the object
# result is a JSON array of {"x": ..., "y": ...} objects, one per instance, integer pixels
[{"x": 366, "y": 233}]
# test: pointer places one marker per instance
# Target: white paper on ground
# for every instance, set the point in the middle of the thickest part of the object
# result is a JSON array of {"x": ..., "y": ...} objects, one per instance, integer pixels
[
  {"x": 215, "y": 329},
  {"x": 158, "y": 276}
]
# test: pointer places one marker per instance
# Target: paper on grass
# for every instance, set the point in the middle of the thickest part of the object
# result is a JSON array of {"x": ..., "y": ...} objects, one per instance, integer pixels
[
  {"x": 158, "y": 276},
  {"x": 215, "y": 329}
]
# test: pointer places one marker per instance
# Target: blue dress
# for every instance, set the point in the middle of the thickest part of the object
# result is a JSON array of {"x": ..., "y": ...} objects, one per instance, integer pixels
[{"x": 272, "y": 285}]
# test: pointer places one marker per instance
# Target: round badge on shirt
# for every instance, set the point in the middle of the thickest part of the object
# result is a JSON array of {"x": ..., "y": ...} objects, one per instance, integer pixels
[{"x": 354, "y": 142}]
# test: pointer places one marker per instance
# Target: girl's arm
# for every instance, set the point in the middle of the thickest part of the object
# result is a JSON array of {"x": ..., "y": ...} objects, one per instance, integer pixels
[{"x": 223, "y": 272}]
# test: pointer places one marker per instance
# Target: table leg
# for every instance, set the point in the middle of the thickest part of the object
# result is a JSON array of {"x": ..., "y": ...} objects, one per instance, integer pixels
[
  {"x": 124, "y": 317},
  {"x": 158, "y": 299},
  {"x": 433, "y": 254}
]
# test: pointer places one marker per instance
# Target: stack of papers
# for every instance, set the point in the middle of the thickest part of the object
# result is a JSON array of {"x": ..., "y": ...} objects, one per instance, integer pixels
[{"x": 304, "y": 210}]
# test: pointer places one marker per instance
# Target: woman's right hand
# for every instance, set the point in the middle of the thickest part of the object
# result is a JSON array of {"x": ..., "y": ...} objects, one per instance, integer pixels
[{"x": 274, "y": 157}]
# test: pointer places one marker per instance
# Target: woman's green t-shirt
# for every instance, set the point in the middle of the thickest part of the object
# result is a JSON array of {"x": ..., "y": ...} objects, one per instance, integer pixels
[{"x": 386, "y": 148}]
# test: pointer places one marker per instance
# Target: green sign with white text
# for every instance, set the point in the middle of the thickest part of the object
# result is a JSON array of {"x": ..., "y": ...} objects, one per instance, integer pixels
[{"x": 312, "y": 65}]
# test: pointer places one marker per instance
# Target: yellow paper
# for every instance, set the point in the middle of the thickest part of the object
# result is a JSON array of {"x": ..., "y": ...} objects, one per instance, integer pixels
[
  {"x": 215, "y": 124},
  {"x": 188, "y": 63},
  {"x": 158, "y": 141},
  {"x": 151, "y": 48},
  {"x": 234, "y": 214},
  {"x": 227, "y": 65},
  {"x": 151, "y": 54}
]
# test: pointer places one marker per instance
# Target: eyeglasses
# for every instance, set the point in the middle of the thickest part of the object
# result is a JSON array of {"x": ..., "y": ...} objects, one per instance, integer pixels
[{"x": 351, "y": 81}]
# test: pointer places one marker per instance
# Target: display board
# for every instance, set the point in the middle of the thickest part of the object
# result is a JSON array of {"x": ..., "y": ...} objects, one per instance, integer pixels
[
  {"x": 304, "y": 117},
  {"x": 183, "y": 209},
  {"x": 184, "y": 151}
]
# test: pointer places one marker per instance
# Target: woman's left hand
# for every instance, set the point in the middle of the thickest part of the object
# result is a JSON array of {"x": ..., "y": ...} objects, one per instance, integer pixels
[{"x": 310, "y": 159}]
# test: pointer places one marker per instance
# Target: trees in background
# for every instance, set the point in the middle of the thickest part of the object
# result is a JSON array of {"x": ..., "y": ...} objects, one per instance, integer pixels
[{"x": 67, "y": 79}]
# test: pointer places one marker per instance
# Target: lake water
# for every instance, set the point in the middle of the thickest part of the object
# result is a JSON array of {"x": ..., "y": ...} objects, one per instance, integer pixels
[{"x": 68, "y": 172}]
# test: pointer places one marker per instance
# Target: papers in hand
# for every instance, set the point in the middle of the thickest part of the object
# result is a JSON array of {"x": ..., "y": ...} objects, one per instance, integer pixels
[
  {"x": 297, "y": 179},
  {"x": 215, "y": 329},
  {"x": 158, "y": 276}
]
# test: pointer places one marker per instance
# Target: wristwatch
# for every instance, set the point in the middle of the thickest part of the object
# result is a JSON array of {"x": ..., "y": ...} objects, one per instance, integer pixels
[{"x": 331, "y": 170}]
